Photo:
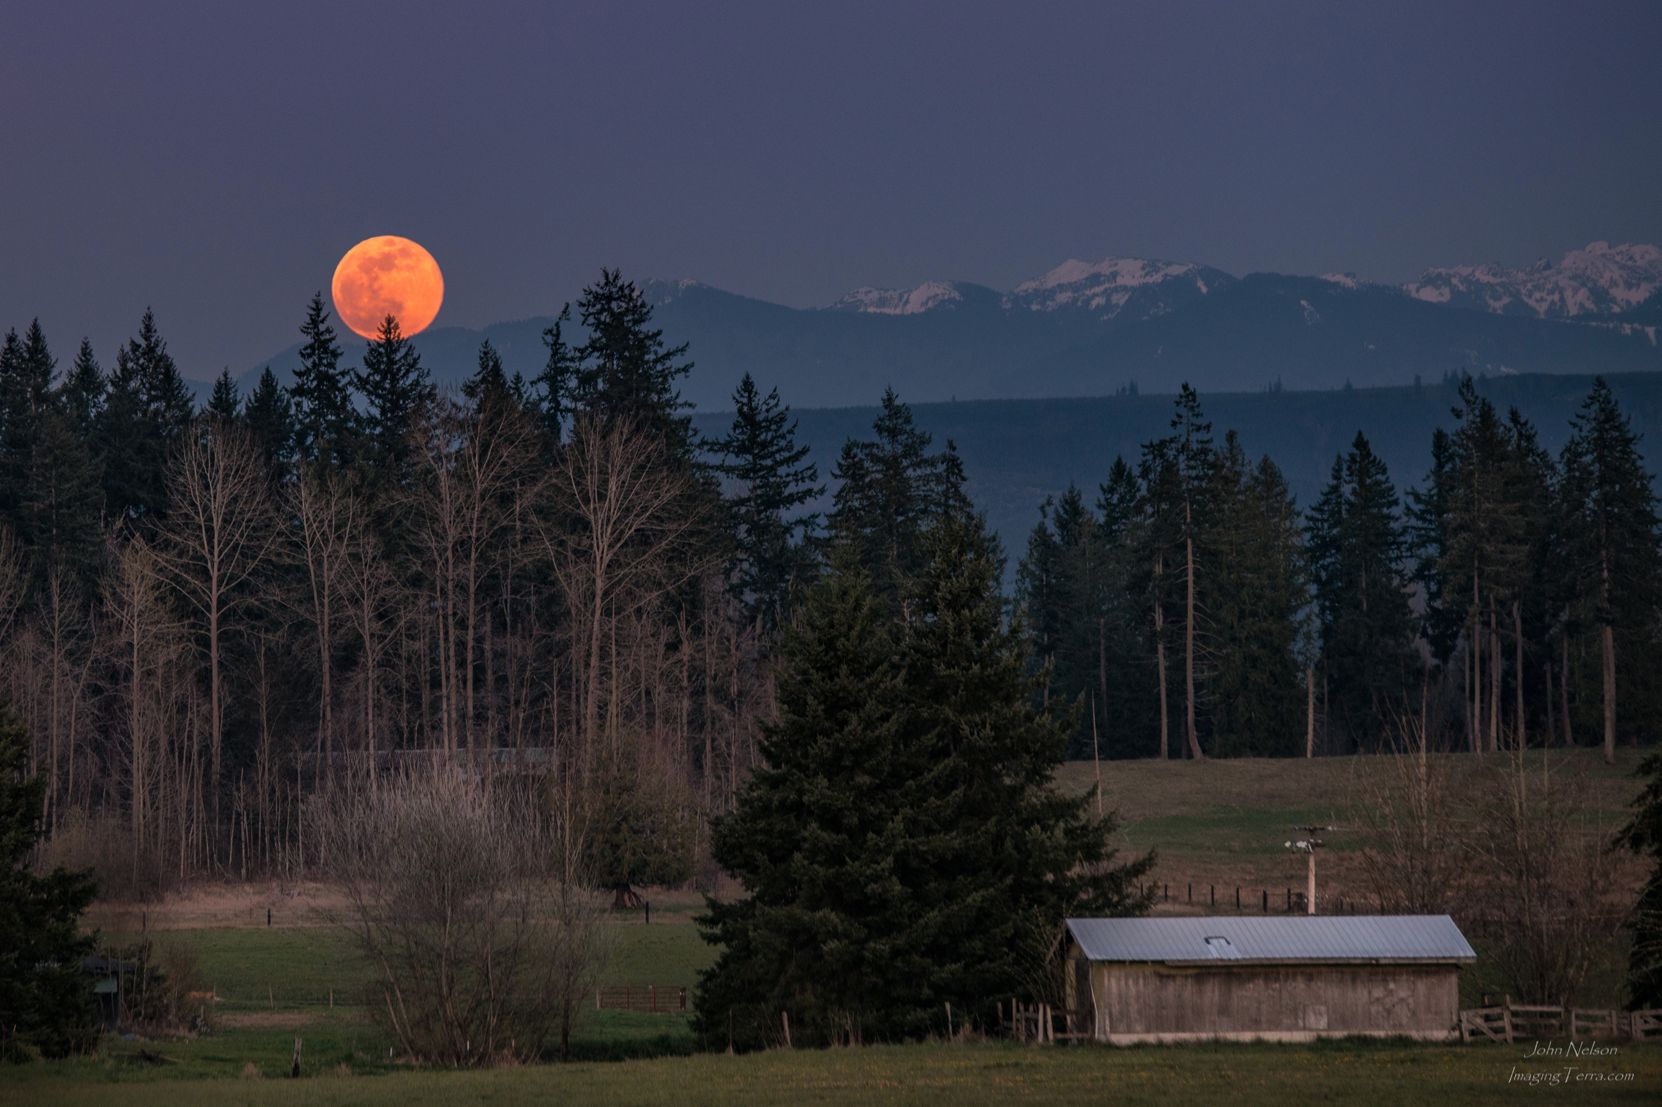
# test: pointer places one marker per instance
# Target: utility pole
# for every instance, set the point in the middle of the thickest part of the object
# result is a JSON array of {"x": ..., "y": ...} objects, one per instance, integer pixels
[{"x": 1308, "y": 845}]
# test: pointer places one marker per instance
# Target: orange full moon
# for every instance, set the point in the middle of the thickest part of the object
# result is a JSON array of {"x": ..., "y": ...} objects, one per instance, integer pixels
[{"x": 387, "y": 275}]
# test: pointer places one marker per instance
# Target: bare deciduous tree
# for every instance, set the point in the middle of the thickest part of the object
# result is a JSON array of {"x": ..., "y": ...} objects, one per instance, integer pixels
[
  {"x": 219, "y": 530},
  {"x": 463, "y": 900}
]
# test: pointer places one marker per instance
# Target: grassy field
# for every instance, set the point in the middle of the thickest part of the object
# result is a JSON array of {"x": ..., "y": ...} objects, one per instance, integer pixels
[
  {"x": 1224, "y": 822},
  {"x": 959, "y": 1075},
  {"x": 1210, "y": 821}
]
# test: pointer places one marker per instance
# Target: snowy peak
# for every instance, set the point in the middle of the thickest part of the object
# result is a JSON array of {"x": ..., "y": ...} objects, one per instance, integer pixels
[
  {"x": 1114, "y": 286},
  {"x": 901, "y": 301},
  {"x": 1599, "y": 279}
]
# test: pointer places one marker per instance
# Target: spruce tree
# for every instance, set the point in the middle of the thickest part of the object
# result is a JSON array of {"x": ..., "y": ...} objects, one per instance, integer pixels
[
  {"x": 1643, "y": 835},
  {"x": 819, "y": 839},
  {"x": 624, "y": 371},
  {"x": 771, "y": 483},
  {"x": 147, "y": 410},
  {"x": 889, "y": 489},
  {"x": 26, "y": 370},
  {"x": 224, "y": 403},
  {"x": 81, "y": 393},
  {"x": 1011, "y": 857},
  {"x": 63, "y": 505},
  {"x": 1256, "y": 596},
  {"x": 397, "y": 396},
  {"x": 1613, "y": 532},
  {"x": 45, "y": 996},
  {"x": 325, "y": 421},
  {"x": 270, "y": 419},
  {"x": 488, "y": 387},
  {"x": 1357, "y": 554},
  {"x": 555, "y": 385}
]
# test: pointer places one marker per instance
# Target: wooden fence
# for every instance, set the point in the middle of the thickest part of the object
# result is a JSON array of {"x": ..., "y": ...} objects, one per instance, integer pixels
[
  {"x": 656, "y": 999},
  {"x": 1242, "y": 900},
  {"x": 1512, "y": 1021}
]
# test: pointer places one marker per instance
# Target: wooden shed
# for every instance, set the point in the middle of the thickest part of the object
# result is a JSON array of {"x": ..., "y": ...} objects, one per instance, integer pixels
[{"x": 1277, "y": 979}]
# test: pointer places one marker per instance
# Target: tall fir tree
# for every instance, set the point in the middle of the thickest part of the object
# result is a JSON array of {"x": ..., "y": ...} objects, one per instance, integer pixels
[
  {"x": 1643, "y": 835},
  {"x": 903, "y": 845},
  {"x": 889, "y": 490},
  {"x": 554, "y": 387},
  {"x": 397, "y": 396},
  {"x": 771, "y": 484},
  {"x": 81, "y": 393},
  {"x": 818, "y": 839},
  {"x": 270, "y": 419},
  {"x": 26, "y": 372},
  {"x": 224, "y": 402},
  {"x": 147, "y": 411},
  {"x": 45, "y": 996},
  {"x": 488, "y": 387},
  {"x": 1611, "y": 524},
  {"x": 624, "y": 370},
  {"x": 1256, "y": 595},
  {"x": 1359, "y": 574},
  {"x": 325, "y": 421}
]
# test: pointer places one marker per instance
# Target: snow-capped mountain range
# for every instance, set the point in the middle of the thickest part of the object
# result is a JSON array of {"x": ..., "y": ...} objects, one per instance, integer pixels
[
  {"x": 1091, "y": 328},
  {"x": 1599, "y": 279}
]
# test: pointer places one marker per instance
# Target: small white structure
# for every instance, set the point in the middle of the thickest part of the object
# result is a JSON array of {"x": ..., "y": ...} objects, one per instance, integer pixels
[{"x": 1294, "y": 978}]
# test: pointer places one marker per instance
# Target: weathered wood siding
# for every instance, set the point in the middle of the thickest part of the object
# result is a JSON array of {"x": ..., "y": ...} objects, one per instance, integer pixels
[{"x": 1135, "y": 1002}]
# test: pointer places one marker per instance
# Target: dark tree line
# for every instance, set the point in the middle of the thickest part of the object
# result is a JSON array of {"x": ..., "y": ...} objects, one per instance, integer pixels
[
  {"x": 1193, "y": 610},
  {"x": 209, "y": 615}
]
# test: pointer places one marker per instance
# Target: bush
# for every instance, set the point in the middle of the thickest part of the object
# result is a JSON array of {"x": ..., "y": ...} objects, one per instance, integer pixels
[{"x": 484, "y": 947}]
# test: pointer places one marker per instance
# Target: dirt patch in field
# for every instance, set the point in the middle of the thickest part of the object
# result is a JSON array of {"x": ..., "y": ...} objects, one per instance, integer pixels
[
  {"x": 222, "y": 905},
  {"x": 265, "y": 1020}
]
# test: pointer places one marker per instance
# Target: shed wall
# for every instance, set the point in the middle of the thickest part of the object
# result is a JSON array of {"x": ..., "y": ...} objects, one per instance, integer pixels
[{"x": 1141, "y": 1002}]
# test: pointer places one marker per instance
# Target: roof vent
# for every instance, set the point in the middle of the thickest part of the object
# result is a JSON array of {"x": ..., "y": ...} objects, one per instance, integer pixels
[{"x": 1220, "y": 948}]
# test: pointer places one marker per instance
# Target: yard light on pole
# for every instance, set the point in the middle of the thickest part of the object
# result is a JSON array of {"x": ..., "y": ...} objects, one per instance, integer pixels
[{"x": 1308, "y": 845}]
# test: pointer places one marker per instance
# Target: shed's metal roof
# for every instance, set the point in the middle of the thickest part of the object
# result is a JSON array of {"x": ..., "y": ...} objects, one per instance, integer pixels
[{"x": 1292, "y": 938}]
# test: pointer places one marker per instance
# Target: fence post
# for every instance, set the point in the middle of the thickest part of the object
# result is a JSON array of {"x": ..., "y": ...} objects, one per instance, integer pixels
[
  {"x": 1212, "y": 894},
  {"x": 1506, "y": 1017},
  {"x": 1191, "y": 891},
  {"x": 1237, "y": 897},
  {"x": 1266, "y": 892}
]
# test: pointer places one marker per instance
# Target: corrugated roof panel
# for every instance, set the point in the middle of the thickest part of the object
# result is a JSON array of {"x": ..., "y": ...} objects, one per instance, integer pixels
[{"x": 1291, "y": 938}]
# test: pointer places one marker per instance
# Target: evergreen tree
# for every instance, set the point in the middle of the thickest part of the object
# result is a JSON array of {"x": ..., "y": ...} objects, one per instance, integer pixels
[
  {"x": 890, "y": 488},
  {"x": 1256, "y": 594},
  {"x": 1125, "y": 695},
  {"x": 1357, "y": 553},
  {"x": 147, "y": 411},
  {"x": 819, "y": 838},
  {"x": 1061, "y": 590},
  {"x": 1612, "y": 527},
  {"x": 1643, "y": 835},
  {"x": 26, "y": 370},
  {"x": 1012, "y": 857},
  {"x": 488, "y": 387},
  {"x": 63, "y": 505},
  {"x": 270, "y": 420},
  {"x": 772, "y": 482},
  {"x": 623, "y": 370},
  {"x": 325, "y": 422},
  {"x": 397, "y": 396},
  {"x": 224, "y": 403},
  {"x": 556, "y": 382},
  {"x": 81, "y": 393},
  {"x": 45, "y": 996},
  {"x": 902, "y": 845},
  {"x": 1473, "y": 548}
]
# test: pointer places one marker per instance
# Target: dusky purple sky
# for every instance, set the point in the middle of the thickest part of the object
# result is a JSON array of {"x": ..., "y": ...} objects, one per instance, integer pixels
[{"x": 214, "y": 159}]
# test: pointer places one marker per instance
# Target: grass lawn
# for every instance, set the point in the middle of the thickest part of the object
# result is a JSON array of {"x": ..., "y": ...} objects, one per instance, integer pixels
[{"x": 956, "y": 1075}]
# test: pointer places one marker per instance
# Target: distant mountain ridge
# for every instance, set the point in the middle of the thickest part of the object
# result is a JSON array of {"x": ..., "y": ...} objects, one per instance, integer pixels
[{"x": 1093, "y": 328}]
